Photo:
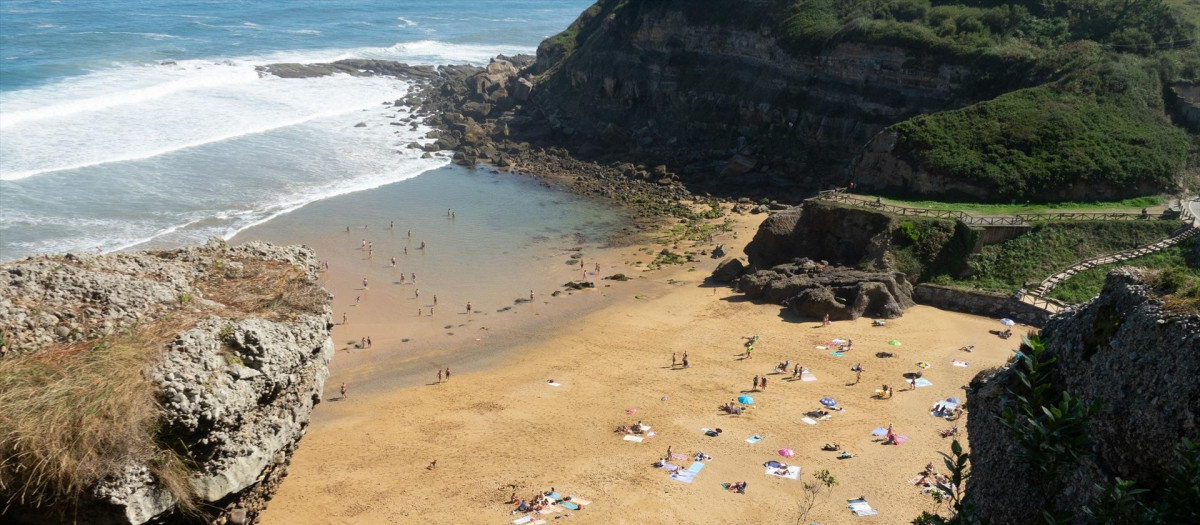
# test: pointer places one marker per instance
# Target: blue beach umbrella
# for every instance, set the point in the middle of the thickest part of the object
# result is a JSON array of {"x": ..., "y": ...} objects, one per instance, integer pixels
[
  {"x": 745, "y": 400},
  {"x": 828, "y": 401}
]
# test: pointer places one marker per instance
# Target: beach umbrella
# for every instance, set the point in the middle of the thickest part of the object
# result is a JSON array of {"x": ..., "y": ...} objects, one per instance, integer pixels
[
  {"x": 787, "y": 452},
  {"x": 828, "y": 401},
  {"x": 894, "y": 342},
  {"x": 1007, "y": 322},
  {"x": 745, "y": 400},
  {"x": 879, "y": 432}
]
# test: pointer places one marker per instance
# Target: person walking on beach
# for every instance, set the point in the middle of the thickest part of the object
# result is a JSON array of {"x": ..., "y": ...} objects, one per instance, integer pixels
[
  {"x": 447, "y": 373},
  {"x": 343, "y": 398},
  {"x": 668, "y": 453},
  {"x": 343, "y": 317},
  {"x": 685, "y": 361},
  {"x": 409, "y": 234},
  {"x": 368, "y": 341},
  {"x": 439, "y": 375},
  {"x": 763, "y": 383},
  {"x": 755, "y": 387},
  {"x": 435, "y": 299},
  {"x": 364, "y": 283},
  {"x": 406, "y": 250},
  {"x": 420, "y": 312},
  {"x": 356, "y": 299},
  {"x": 422, "y": 246},
  {"x": 672, "y": 359},
  {"x": 826, "y": 321},
  {"x": 858, "y": 370},
  {"x": 468, "y": 307},
  {"x": 364, "y": 244},
  {"x": 417, "y": 291},
  {"x": 393, "y": 262},
  {"x": 531, "y": 296}
]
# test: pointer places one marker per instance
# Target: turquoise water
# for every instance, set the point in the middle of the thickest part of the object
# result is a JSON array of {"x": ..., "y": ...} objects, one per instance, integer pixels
[{"x": 131, "y": 122}]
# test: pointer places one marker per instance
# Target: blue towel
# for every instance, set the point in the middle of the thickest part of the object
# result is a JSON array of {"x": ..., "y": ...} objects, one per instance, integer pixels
[
  {"x": 754, "y": 439},
  {"x": 835, "y": 354},
  {"x": 570, "y": 506},
  {"x": 554, "y": 495},
  {"x": 685, "y": 476},
  {"x": 696, "y": 466},
  {"x": 923, "y": 382}
]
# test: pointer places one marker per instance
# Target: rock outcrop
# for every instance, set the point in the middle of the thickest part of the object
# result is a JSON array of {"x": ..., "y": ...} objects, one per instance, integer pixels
[
  {"x": 840, "y": 235},
  {"x": 243, "y": 364},
  {"x": 712, "y": 90},
  {"x": 1124, "y": 348},
  {"x": 814, "y": 290}
]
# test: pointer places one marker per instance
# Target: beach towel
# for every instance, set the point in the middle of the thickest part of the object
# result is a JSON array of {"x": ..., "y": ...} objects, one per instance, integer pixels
[
  {"x": 901, "y": 439},
  {"x": 554, "y": 384},
  {"x": 670, "y": 467},
  {"x": 754, "y": 439},
  {"x": 538, "y": 522},
  {"x": 923, "y": 382},
  {"x": 676, "y": 455},
  {"x": 685, "y": 476},
  {"x": 836, "y": 354},
  {"x": 915, "y": 480},
  {"x": 861, "y": 508},
  {"x": 550, "y": 509},
  {"x": 793, "y": 472},
  {"x": 822, "y": 347},
  {"x": 809, "y": 420},
  {"x": 580, "y": 502},
  {"x": 838, "y": 341},
  {"x": 807, "y": 376},
  {"x": 958, "y": 363},
  {"x": 569, "y": 506},
  {"x": 522, "y": 521},
  {"x": 879, "y": 432},
  {"x": 635, "y": 439},
  {"x": 554, "y": 495},
  {"x": 650, "y": 434},
  {"x": 696, "y": 466}
]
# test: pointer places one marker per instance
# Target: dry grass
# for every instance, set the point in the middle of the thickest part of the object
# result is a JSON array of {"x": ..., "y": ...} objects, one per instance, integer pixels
[
  {"x": 275, "y": 290},
  {"x": 74, "y": 415}
]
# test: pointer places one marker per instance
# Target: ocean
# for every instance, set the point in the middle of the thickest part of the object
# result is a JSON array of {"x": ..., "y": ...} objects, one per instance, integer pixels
[{"x": 129, "y": 124}]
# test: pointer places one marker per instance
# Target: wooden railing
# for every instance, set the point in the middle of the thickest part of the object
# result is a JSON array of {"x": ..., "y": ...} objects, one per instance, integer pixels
[{"x": 1020, "y": 219}]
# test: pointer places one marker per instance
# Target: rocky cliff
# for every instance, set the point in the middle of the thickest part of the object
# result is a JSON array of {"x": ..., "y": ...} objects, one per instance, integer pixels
[
  {"x": 712, "y": 90},
  {"x": 1139, "y": 358},
  {"x": 208, "y": 361}
]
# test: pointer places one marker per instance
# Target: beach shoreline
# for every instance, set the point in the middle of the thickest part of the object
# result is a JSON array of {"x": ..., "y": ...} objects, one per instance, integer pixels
[{"x": 499, "y": 426}]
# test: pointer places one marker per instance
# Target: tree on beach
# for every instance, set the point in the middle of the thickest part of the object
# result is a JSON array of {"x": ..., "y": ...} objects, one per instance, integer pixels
[{"x": 824, "y": 483}]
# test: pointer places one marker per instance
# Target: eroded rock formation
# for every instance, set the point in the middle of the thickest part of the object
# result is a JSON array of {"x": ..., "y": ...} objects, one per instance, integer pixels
[
  {"x": 243, "y": 364},
  {"x": 814, "y": 290}
]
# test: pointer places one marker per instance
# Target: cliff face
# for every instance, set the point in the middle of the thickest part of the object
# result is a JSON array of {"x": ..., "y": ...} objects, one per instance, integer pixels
[
  {"x": 721, "y": 99},
  {"x": 842, "y": 236},
  {"x": 241, "y": 362},
  {"x": 1122, "y": 348}
]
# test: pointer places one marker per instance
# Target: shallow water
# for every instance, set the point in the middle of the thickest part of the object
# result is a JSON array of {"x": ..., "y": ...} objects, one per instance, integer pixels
[{"x": 143, "y": 123}]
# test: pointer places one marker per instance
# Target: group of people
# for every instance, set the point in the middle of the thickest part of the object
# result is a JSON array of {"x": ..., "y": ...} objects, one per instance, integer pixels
[
  {"x": 732, "y": 407},
  {"x": 674, "y": 363}
]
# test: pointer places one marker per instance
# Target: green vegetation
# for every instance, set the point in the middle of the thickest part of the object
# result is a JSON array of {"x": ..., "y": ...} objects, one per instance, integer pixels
[
  {"x": 1181, "y": 287},
  {"x": 1049, "y": 248},
  {"x": 958, "y": 502},
  {"x": 1101, "y": 127},
  {"x": 1086, "y": 284},
  {"x": 74, "y": 415},
  {"x": 1133, "y": 205},
  {"x": 926, "y": 248},
  {"x": 664, "y": 258}
]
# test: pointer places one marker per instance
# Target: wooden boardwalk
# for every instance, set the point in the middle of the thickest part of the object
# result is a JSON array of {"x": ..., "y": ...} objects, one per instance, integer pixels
[{"x": 1190, "y": 215}]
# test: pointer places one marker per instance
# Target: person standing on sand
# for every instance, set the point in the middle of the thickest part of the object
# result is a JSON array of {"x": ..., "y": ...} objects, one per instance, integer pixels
[
  {"x": 672, "y": 359},
  {"x": 393, "y": 262},
  {"x": 343, "y": 317},
  {"x": 447, "y": 373},
  {"x": 417, "y": 291},
  {"x": 668, "y": 453},
  {"x": 391, "y": 225},
  {"x": 368, "y": 341},
  {"x": 685, "y": 361},
  {"x": 763, "y": 383},
  {"x": 362, "y": 343},
  {"x": 422, "y": 246},
  {"x": 858, "y": 370},
  {"x": 531, "y": 296},
  {"x": 420, "y": 312},
  {"x": 343, "y": 398},
  {"x": 755, "y": 387},
  {"x": 439, "y": 375},
  {"x": 357, "y": 299},
  {"x": 435, "y": 299},
  {"x": 409, "y": 234},
  {"x": 406, "y": 250},
  {"x": 364, "y": 283},
  {"x": 826, "y": 321},
  {"x": 468, "y": 307}
]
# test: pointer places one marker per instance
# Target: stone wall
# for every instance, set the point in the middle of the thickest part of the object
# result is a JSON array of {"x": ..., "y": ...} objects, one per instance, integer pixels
[{"x": 979, "y": 303}]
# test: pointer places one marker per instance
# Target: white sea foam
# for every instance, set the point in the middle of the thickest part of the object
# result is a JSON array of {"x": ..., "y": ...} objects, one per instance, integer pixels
[{"x": 407, "y": 22}]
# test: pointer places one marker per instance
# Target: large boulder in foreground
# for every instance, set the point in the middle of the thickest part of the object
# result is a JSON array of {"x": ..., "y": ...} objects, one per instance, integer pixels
[
  {"x": 1129, "y": 349},
  {"x": 814, "y": 290},
  {"x": 210, "y": 359}
]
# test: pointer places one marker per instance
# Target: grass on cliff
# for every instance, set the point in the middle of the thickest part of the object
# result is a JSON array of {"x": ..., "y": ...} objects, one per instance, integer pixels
[
  {"x": 1084, "y": 285},
  {"x": 74, "y": 415},
  {"x": 1130, "y": 205},
  {"x": 1050, "y": 248},
  {"x": 275, "y": 290}
]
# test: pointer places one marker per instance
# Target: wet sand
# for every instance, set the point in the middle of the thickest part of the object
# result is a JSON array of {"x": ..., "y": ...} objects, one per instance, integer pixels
[{"x": 499, "y": 427}]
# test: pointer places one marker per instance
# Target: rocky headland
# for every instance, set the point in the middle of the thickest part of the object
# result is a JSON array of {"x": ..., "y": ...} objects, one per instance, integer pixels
[
  {"x": 1137, "y": 355},
  {"x": 160, "y": 386}
]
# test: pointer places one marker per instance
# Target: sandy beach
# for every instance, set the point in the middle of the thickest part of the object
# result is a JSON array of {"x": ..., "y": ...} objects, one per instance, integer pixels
[{"x": 499, "y": 426}]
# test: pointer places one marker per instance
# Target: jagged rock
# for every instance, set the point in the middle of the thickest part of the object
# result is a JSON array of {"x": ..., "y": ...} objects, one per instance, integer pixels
[
  {"x": 815, "y": 290},
  {"x": 844, "y": 236},
  {"x": 739, "y": 165},
  {"x": 236, "y": 387},
  {"x": 476, "y": 110},
  {"x": 728, "y": 270},
  {"x": 361, "y": 125},
  {"x": 447, "y": 142},
  {"x": 1123, "y": 348},
  {"x": 523, "y": 89}
]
